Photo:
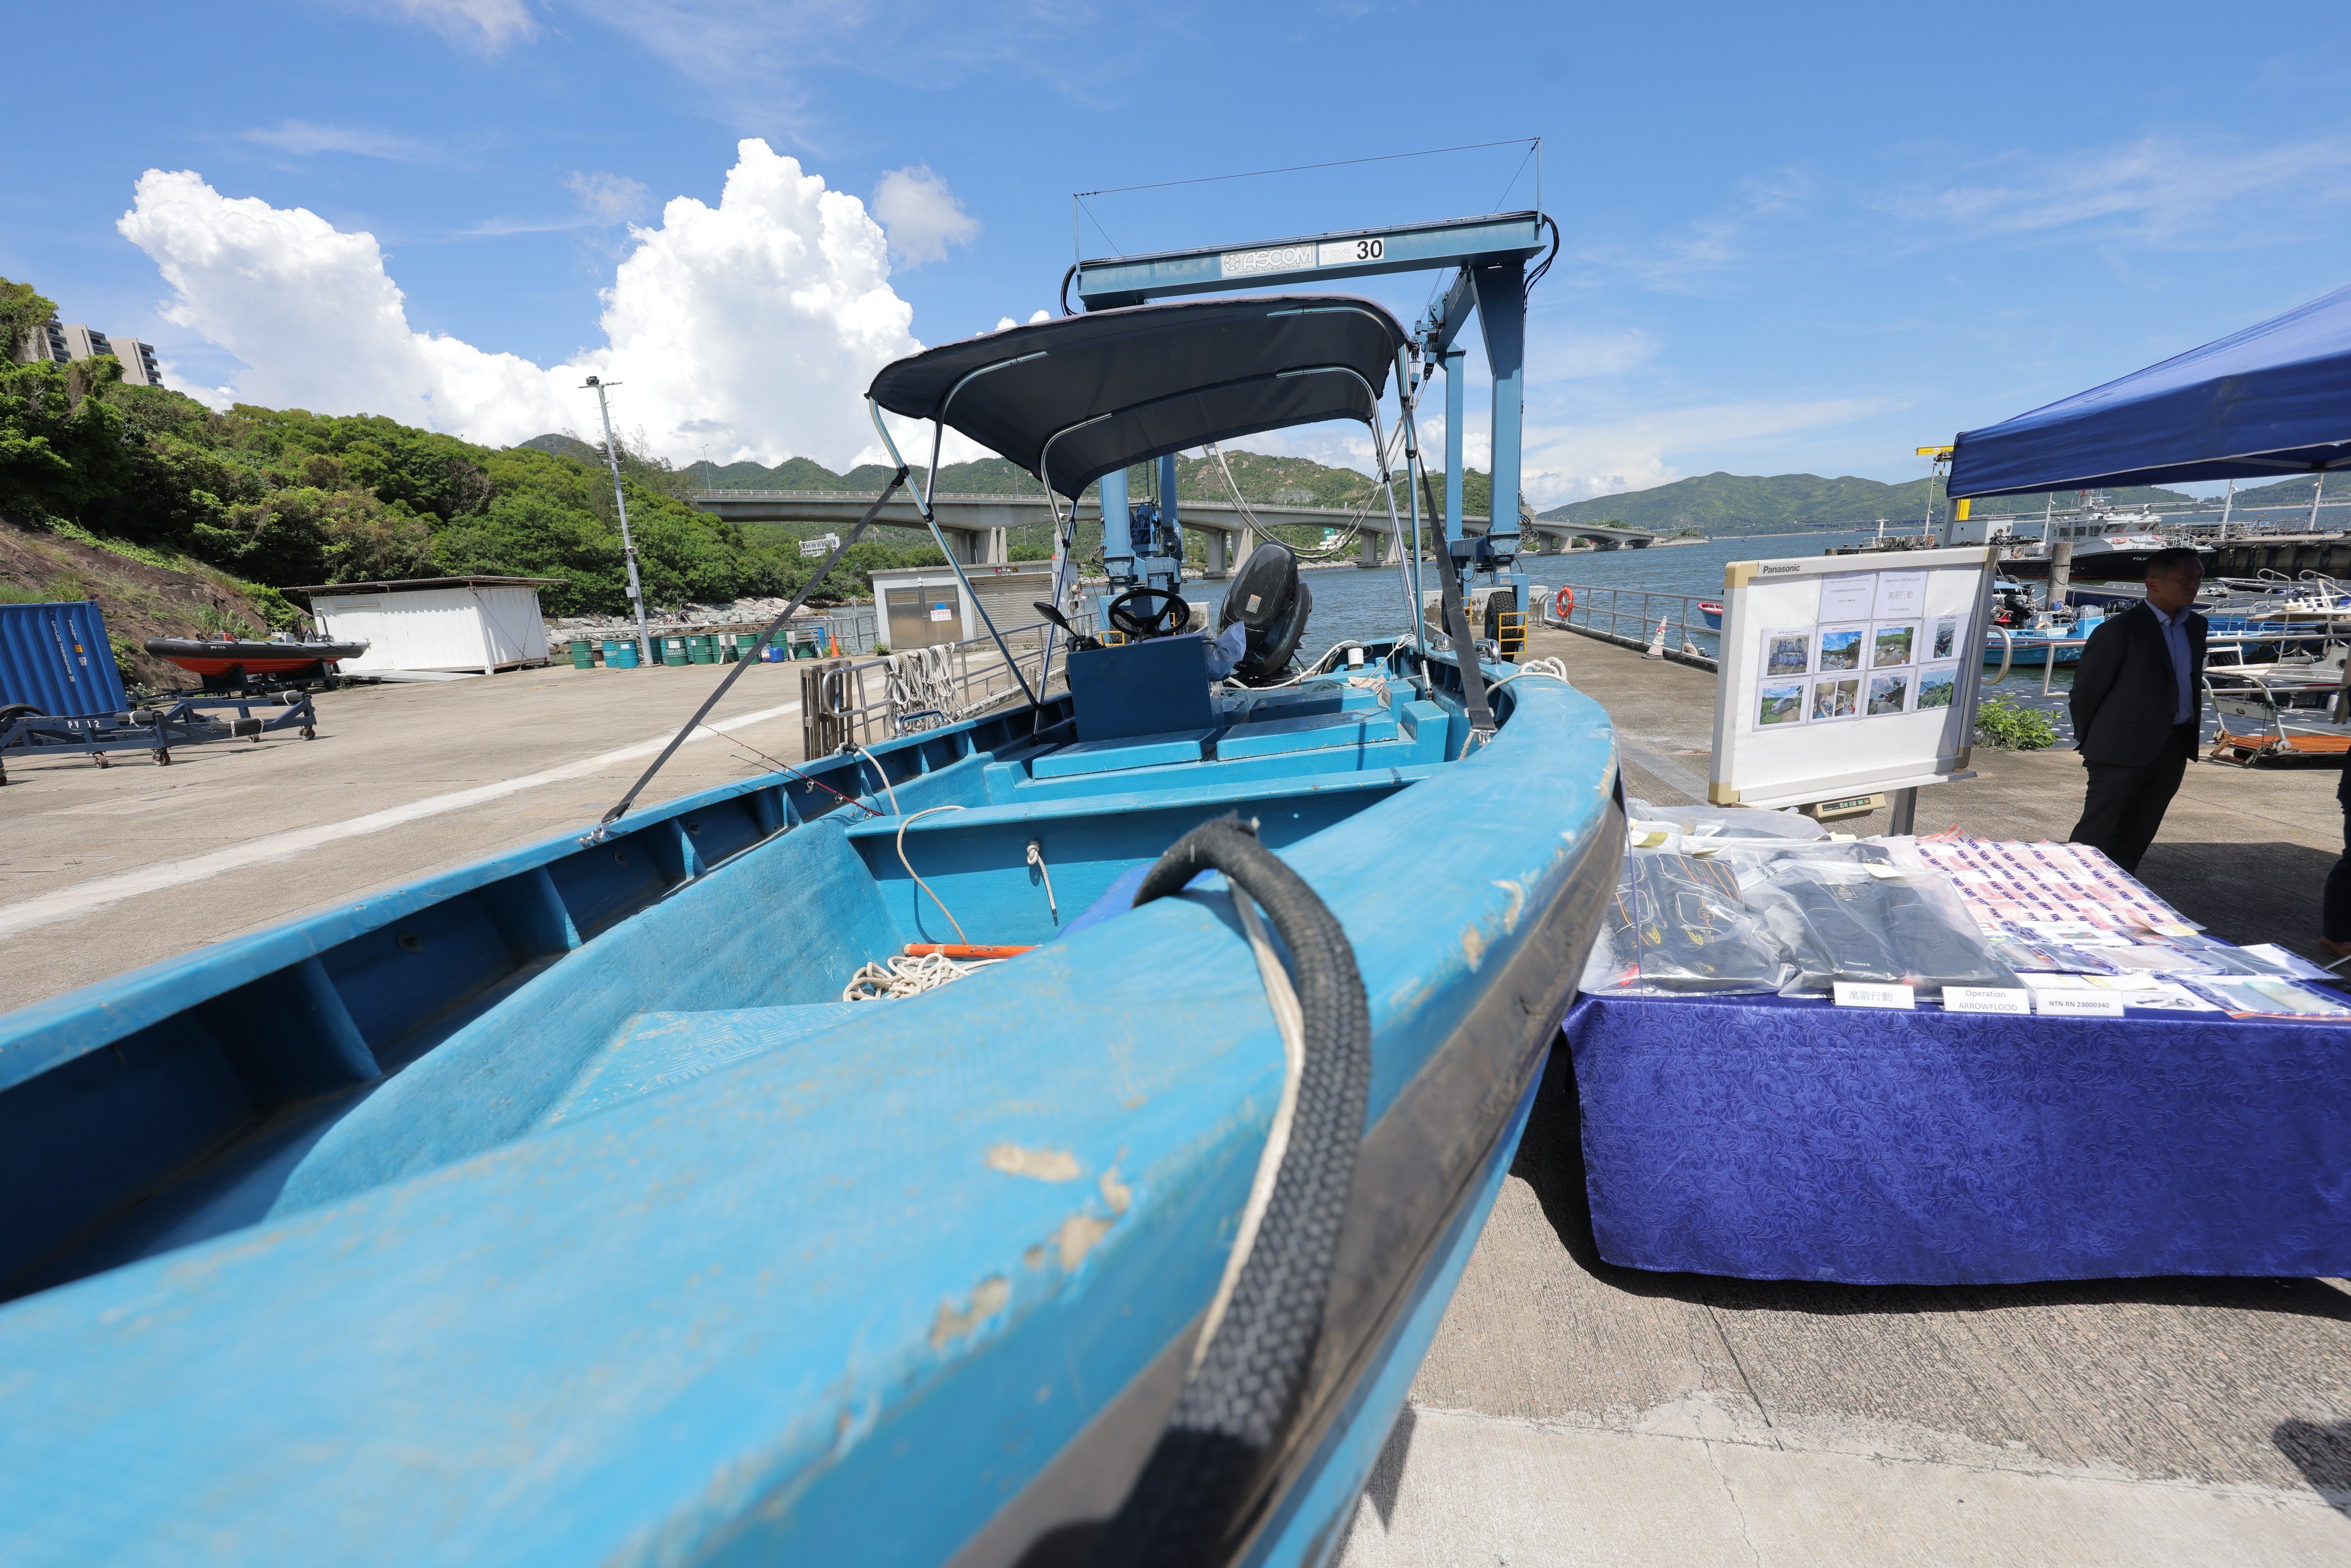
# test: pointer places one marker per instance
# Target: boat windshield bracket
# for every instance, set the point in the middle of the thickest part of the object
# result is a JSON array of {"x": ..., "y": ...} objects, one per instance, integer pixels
[
  {"x": 931, "y": 521},
  {"x": 603, "y": 828}
]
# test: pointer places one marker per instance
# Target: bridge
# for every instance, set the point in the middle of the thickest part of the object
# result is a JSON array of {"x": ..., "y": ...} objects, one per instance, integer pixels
[{"x": 977, "y": 526}]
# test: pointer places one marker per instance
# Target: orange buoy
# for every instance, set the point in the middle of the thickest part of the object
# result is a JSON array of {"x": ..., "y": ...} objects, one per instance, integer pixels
[{"x": 1563, "y": 604}]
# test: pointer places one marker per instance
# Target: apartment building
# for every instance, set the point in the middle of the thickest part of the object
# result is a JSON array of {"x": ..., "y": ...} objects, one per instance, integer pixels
[{"x": 65, "y": 341}]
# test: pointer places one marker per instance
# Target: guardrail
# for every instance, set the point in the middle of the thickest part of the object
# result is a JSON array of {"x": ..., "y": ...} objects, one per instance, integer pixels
[
  {"x": 854, "y": 701},
  {"x": 1639, "y": 618}
]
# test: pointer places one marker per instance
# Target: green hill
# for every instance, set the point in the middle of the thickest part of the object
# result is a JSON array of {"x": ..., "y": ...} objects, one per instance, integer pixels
[
  {"x": 1734, "y": 504},
  {"x": 2295, "y": 492},
  {"x": 269, "y": 499}
]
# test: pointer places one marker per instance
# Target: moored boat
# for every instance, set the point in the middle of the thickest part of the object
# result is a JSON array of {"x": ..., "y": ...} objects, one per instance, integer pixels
[{"x": 564, "y": 1208}]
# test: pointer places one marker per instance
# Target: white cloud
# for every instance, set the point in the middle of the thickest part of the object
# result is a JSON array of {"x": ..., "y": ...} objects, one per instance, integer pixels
[
  {"x": 490, "y": 23},
  {"x": 608, "y": 198},
  {"x": 752, "y": 327},
  {"x": 1580, "y": 356},
  {"x": 303, "y": 139},
  {"x": 1695, "y": 260},
  {"x": 2162, "y": 188},
  {"x": 921, "y": 215}
]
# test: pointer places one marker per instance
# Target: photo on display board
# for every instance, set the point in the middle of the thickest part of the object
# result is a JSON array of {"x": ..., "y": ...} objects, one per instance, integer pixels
[
  {"x": 1937, "y": 687},
  {"x": 1889, "y": 694},
  {"x": 1841, "y": 647},
  {"x": 1892, "y": 645},
  {"x": 1836, "y": 699},
  {"x": 1944, "y": 642},
  {"x": 1787, "y": 653},
  {"x": 1779, "y": 703}
]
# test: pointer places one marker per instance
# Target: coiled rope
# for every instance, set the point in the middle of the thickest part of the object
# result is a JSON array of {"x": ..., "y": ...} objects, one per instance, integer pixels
[
  {"x": 1267, "y": 1312},
  {"x": 903, "y": 977},
  {"x": 919, "y": 685}
]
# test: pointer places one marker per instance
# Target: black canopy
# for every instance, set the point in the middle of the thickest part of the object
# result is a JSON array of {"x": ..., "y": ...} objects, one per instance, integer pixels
[{"x": 1073, "y": 399}]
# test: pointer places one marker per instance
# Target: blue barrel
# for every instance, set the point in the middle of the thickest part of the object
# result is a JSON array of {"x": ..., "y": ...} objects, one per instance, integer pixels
[
  {"x": 56, "y": 657},
  {"x": 620, "y": 653}
]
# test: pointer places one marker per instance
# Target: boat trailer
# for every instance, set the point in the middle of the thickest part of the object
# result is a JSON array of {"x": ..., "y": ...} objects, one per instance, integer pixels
[{"x": 156, "y": 730}]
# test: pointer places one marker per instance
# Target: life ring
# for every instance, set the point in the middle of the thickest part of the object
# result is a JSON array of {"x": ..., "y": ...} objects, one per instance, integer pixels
[{"x": 1562, "y": 605}]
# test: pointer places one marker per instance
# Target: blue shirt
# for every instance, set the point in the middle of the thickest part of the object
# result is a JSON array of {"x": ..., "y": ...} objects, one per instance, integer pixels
[{"x": 2183, "y": 661}]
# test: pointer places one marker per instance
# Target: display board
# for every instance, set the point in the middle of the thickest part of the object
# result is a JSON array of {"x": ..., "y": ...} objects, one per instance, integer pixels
[{"x": 1848, "y": 674}]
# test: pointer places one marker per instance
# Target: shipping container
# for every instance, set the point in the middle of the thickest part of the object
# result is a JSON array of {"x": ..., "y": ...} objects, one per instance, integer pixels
[{"x": 56, "y": 658}]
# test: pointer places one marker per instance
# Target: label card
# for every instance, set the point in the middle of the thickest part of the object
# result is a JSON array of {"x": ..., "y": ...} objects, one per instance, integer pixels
[
  {"x": 1987, "y": 999},
  {"x": 1848, "y": 596},
  {"x": 1899, "y": 593},
  {"x": 2078, "y": 1004},
  {"x": 1860, "y": 994}
]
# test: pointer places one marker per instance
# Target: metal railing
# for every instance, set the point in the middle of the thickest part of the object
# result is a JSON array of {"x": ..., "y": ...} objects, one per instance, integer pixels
[
  {"x": 1631, "y": 618},
  {"x": 855, "y": 702},
  {"x": 2051, "y": 647}
]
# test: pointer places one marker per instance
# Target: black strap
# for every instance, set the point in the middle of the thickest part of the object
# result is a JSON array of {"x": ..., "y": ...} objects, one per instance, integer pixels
[
  {"x": 1456, "y": 626},
  {"x": 597, "y": 834}
]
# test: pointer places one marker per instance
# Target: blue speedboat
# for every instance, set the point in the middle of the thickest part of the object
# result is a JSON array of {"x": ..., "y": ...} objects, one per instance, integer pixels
[{"x": 561, "y": 1209}]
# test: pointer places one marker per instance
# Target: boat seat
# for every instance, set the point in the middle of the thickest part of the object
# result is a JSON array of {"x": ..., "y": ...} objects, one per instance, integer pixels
[
  {"x": 1312, "y": 732},
  {"x": 654, "y": 1050}
]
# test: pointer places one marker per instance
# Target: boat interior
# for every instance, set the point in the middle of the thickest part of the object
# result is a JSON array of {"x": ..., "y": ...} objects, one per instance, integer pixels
[{"x": 317, "y": 1079}]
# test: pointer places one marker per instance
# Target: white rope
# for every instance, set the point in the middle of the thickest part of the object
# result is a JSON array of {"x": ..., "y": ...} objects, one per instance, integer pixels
[
  {"x": 1037, "y": 859},
  {"x": 1349, "y": 531},
  {"x": 1292, "y": 1022},
  {"x": 904, "y": 977},
  {"x": 887, "y": 787},
  {"x": 921, "y": 681},
  {"x": 925, "y": 886},
  {"x": 1556, "y": 668}
]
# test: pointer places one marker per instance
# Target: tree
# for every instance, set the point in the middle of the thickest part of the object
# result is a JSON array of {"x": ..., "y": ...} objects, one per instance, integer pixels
[{"x": 21, "y": 311}]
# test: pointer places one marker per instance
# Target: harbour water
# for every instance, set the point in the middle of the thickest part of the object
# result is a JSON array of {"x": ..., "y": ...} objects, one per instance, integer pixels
[{"x": 1351, "y": 602}]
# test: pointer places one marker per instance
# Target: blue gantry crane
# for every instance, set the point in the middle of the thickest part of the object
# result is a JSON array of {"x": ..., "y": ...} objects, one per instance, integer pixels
[{"x": 1143, "y": 543}]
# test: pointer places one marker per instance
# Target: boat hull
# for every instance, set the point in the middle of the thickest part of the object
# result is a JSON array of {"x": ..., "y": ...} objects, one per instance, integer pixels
[{"x": 530, "y": 1296}]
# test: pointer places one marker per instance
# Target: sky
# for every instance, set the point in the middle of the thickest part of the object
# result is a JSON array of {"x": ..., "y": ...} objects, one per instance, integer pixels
[{"x": 1791, "y": 240}]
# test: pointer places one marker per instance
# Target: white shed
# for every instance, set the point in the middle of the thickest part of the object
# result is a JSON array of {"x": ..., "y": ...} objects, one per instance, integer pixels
[
  {"x": 924, "y": 605},
  {"x": 485, "y": 623}
]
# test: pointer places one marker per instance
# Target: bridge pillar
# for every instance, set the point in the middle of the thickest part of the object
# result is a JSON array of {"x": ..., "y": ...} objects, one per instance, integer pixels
[
  {"x": 1000, "y": 553},
  {"x": 1215, "y": 542},
  {"x": 1368, "y": 554}
]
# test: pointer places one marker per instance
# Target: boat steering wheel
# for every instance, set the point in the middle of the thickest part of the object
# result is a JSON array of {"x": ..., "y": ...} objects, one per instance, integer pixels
[{"x": 1174, "y": 612}]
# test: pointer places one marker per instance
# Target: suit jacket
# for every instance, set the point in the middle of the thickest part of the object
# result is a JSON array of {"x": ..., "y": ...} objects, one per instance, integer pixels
[{"x": 2126, "y": 691}]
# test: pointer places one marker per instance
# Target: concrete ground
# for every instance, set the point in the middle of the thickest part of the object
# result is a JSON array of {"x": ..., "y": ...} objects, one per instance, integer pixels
[
  {"x": 1572, "y": 1412},
  {"x": 103, "y": 870},
  {"x": 1569, "y": 1412}
]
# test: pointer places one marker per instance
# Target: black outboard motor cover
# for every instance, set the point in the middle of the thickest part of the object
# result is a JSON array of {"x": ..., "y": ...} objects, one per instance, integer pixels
[
  {"x": 1262, "y": 590},
  {"x": 1267, "y": 597}
]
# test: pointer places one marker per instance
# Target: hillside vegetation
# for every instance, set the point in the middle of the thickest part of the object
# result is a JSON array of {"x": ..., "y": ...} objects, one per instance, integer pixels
[
  {"x": 283, "y": 497},
  {"x": 1734, "y": 504}
]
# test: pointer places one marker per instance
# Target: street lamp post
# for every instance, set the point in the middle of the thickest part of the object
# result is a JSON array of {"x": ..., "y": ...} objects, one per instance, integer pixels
[{"x": 628, "y": 547}]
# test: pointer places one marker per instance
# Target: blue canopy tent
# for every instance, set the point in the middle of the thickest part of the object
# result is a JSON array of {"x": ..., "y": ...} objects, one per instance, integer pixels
[{"x": 2270, "y": 400}]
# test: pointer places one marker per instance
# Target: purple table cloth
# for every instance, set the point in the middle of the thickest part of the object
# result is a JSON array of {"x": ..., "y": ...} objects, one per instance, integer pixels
[{"x": 1778, "y": 1139}]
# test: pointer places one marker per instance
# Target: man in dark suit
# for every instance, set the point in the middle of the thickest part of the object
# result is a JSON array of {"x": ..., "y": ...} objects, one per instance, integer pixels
[{"x": 2138, "y": 701}]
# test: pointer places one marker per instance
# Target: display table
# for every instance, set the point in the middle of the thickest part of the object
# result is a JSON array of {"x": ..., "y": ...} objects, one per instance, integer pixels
[{"x": 1780, "y": 1139}]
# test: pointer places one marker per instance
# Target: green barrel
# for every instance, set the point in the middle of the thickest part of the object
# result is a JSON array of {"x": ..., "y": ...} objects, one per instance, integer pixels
[
  {"x": 746, "y": 645},
  {"x": 620, "y": 653},
  {"x": 583, "y": 653},
  {"x": 673, "y": 651},
  {"x": 702, "y": 650}
]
